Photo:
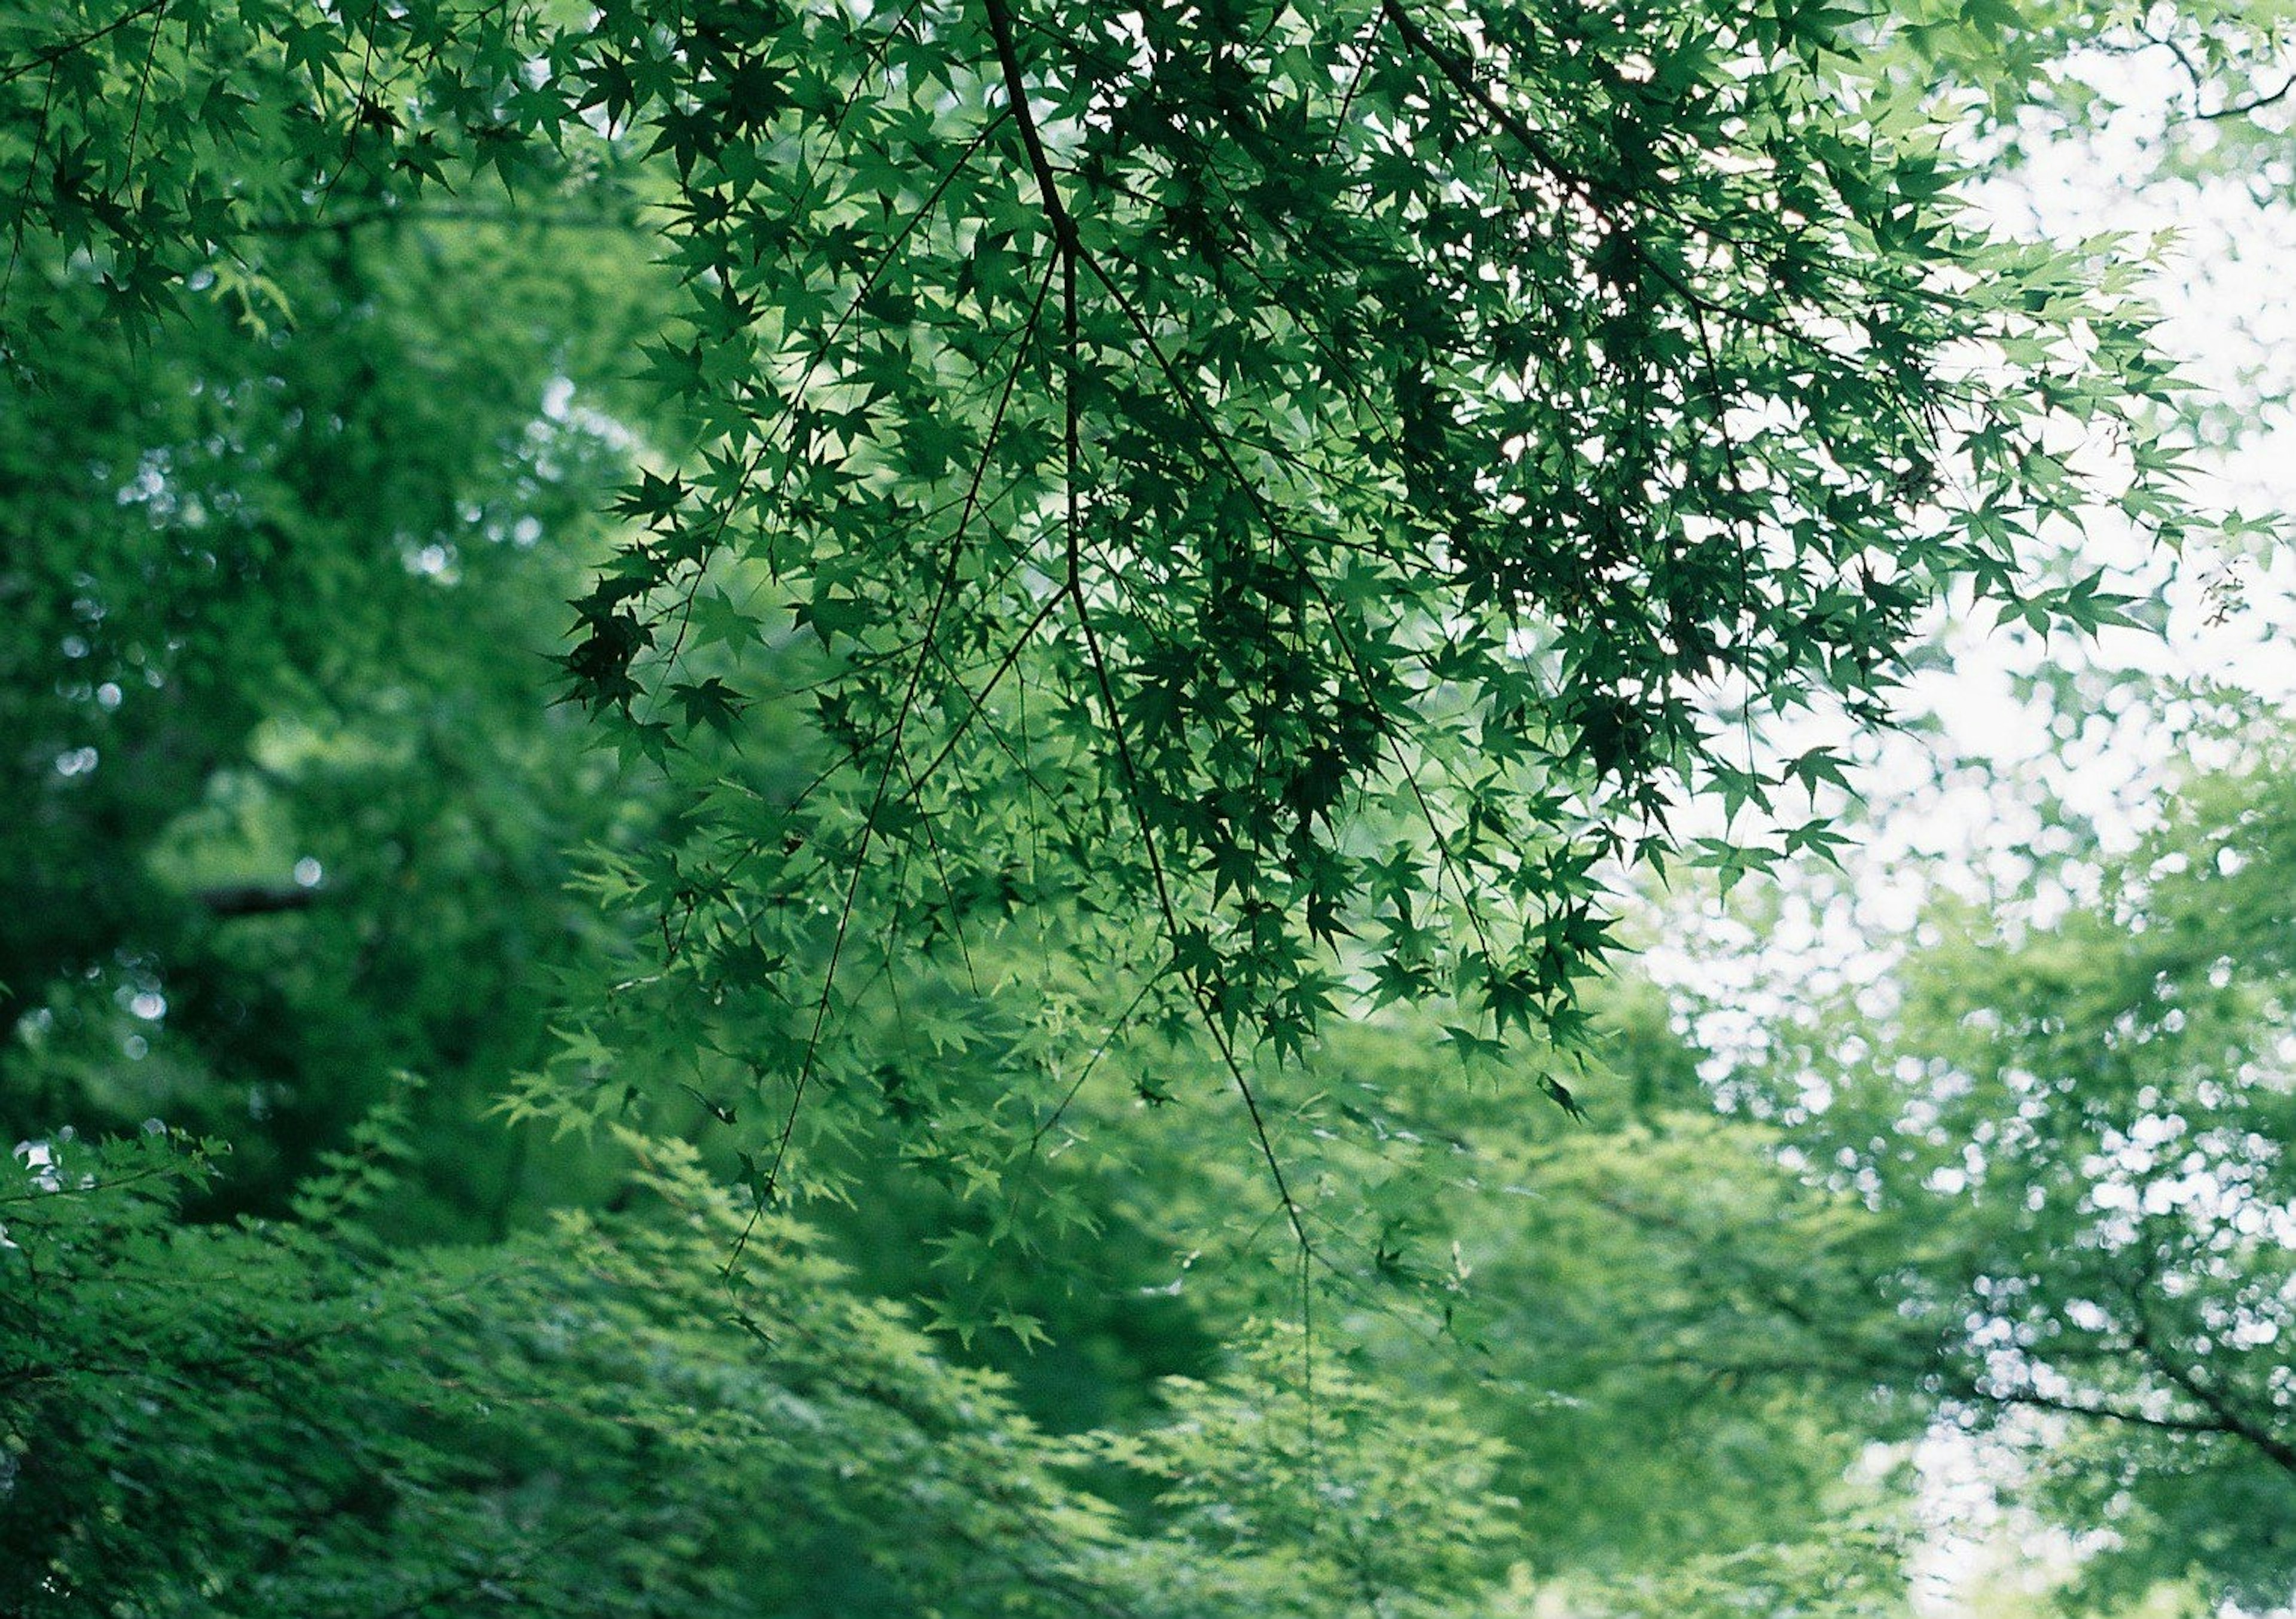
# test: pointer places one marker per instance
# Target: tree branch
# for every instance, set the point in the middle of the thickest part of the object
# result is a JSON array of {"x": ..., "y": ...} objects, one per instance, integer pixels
[
  {"x": 1032, "y": 139},
  {"x": 228, "y": 900},
  {"x": 2229, "y": 1418},
  {"x": 2253, "y": 104},
  {"x": 57, "y": 53}
]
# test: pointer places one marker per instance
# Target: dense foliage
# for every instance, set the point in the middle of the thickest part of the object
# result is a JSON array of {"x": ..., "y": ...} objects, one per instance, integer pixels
[
  {"x": 2065, "y": 1122},
  {"x": 1011, "y": 1020}
]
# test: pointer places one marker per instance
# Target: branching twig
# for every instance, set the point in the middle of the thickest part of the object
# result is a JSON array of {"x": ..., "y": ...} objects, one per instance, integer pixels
[{"x": 57, "y": 53}]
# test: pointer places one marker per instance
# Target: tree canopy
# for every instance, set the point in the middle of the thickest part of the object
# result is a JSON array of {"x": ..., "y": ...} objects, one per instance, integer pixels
[{"x": 831, "y": 808}]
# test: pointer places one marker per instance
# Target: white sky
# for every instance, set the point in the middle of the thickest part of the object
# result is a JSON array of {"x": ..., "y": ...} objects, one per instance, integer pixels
[{"x": 2227, "y": 286}]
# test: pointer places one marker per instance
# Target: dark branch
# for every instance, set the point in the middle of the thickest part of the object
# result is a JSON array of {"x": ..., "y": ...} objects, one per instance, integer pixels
[
  {"x": 2226, "y": 1418},
  {"x": 228, "y": 900},
  {"x": 2253, "y": 104},
  {"x": 433, "y": 213},
  {"x": 80, "y": 41},
  {"x": 1016, "y": 91}
]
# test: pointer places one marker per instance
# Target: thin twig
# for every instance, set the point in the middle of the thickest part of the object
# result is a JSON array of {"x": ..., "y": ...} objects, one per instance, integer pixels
[{"x": 57, "y": 53}]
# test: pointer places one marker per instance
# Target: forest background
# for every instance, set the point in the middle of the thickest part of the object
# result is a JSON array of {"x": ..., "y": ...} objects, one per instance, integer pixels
[{"x": 1181, "y": 931}]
